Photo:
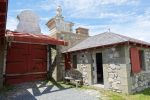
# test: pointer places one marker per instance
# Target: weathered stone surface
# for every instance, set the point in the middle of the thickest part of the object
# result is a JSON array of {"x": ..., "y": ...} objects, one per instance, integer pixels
[
  {"x": 140, "y": 81},
  {"x": 114, "y": 66}
]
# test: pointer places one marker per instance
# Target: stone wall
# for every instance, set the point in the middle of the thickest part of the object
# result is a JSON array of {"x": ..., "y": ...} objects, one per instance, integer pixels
[
  {"x": 85, "y": 69},
  {"x": 115, "y": 69},
  {"x": 84, "y": 66},
  {"x": 147, "y": 59},
  {"x": 71, "y": 38},
  {"x": 141, "y": 81},
  {"x": 53, "y": 63}
]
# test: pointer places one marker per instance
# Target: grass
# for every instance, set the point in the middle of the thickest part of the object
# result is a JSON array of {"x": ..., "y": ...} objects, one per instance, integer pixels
[
  {"x": 109, "y": 95},
  {"x": 60, "y": 84}
]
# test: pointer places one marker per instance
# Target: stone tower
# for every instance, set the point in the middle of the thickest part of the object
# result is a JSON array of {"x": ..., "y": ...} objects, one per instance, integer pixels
[
  {"x": 57, "y": 24},
  {"x": 61, "y": 29}
]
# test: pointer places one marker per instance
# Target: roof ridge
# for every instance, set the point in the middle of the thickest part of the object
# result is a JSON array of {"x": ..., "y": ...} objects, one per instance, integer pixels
[
  {"x": 119, "y": 35},
  {"x": 130, "y": 38}
]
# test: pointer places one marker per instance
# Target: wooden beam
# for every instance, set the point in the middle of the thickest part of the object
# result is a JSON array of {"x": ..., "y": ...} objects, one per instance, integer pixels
[
  {"x": 3, "y": 1},
  {"x": 2, "y": 14}
]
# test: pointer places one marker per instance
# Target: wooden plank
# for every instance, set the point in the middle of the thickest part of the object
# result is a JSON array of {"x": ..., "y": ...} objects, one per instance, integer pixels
[{"x": 25, "y": 59}]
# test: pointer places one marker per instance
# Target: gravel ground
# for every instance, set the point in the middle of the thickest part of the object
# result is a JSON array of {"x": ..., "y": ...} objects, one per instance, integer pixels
[{"x": 45, "y": 91}]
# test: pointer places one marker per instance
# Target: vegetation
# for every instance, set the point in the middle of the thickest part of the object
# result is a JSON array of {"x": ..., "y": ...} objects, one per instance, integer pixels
[{"x": 105, "y": 94}]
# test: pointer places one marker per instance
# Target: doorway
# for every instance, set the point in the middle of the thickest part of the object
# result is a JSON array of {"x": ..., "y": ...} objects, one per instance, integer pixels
[{"x": 99, "y": 65}]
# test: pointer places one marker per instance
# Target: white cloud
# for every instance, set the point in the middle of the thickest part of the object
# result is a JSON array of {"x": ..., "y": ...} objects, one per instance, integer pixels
[
  {"x": 17, "y": 11},
  {"x": 136, "y": 26},
  {"x": 11, "y": 23},
  {"x": 95, "y": 8},
  {"x": 44, "y": 18},
  {"x": 120, "y": 2},
  {"x": 47, "y": 5}
]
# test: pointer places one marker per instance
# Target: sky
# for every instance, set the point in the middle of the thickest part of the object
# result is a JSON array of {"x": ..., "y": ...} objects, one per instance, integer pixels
[{"x": 126, "y": 17}]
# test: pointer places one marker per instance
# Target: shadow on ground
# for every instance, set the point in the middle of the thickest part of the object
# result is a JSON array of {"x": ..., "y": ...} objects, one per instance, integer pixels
[{"x": 28, "y": 91}]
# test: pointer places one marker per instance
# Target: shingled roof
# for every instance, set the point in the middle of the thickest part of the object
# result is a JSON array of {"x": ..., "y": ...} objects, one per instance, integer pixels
[{"x": 104, "y": 39}]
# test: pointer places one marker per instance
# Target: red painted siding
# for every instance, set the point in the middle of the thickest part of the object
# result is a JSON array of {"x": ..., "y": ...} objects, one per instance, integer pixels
[
  {"x": 32, "y": 38},
  {"x": 67, "y": 61},
  {"x": 135, "y": 60},
  {"x": 25, "y": 62}
]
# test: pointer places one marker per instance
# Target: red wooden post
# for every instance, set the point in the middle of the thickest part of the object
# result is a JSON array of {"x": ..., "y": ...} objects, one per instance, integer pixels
[{"x": 67, "y": 61}]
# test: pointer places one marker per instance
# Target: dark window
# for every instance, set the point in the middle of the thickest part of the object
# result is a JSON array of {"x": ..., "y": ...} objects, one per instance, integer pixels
[
  {"x": 142, "y": 61},
  {"x": 74, "y": 61},
  {"x": 62, "y": 36}
]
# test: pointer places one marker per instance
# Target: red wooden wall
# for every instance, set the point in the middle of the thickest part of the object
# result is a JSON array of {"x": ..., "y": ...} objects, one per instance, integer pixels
[{"x": 26, "y": 62}]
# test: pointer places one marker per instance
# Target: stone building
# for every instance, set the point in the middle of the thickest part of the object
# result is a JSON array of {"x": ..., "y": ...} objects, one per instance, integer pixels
[
  {"x": 60, "y": 29},
  {"x": 117, "y": 62}
]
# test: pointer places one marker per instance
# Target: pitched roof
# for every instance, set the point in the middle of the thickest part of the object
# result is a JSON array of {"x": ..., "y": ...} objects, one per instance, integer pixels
[
  {"x": 13, "y": 36},
  {"x": 103, "y": 39}
]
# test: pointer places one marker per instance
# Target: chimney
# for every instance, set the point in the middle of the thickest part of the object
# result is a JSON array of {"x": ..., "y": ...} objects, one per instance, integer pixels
[{"x": 82, "y": 31}]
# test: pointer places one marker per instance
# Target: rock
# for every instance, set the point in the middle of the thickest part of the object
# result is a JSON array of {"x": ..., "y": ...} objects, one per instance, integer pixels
[
  {"x": 111, "y": 75},
  {"x": 110, "y": 70},
  {"x": 116, "y": 54},
  {"x": 110, "y": 80},
  {"x": 112, "y": 66}
]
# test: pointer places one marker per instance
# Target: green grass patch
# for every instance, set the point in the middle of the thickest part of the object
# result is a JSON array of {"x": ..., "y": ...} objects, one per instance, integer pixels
[
  {"x": 110, "y": 95},
  {"x": 60, "y": 84}
]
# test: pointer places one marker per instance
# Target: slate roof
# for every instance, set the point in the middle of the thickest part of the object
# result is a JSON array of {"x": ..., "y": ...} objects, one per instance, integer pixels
[{"x": 103, "y": 39}]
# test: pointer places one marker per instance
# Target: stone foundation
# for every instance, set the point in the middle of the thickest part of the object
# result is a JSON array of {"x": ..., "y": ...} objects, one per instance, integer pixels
[
  {"x": 140, "y": 81},
  {"x": 115, "y": 77},
  {"x": 85, "y": 69},
  {"x": 115, "y": 69}
]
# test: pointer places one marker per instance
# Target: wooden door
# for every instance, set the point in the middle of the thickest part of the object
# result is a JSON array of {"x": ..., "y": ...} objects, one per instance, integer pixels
[{"x": 25, "y": 62}]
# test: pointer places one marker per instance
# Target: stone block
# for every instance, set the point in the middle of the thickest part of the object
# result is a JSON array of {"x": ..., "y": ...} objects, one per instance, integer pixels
[
  {"x": 124, "y": 89},
  {"x": 124, "y": 80},
  {"x": 124, "y": 71}
]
